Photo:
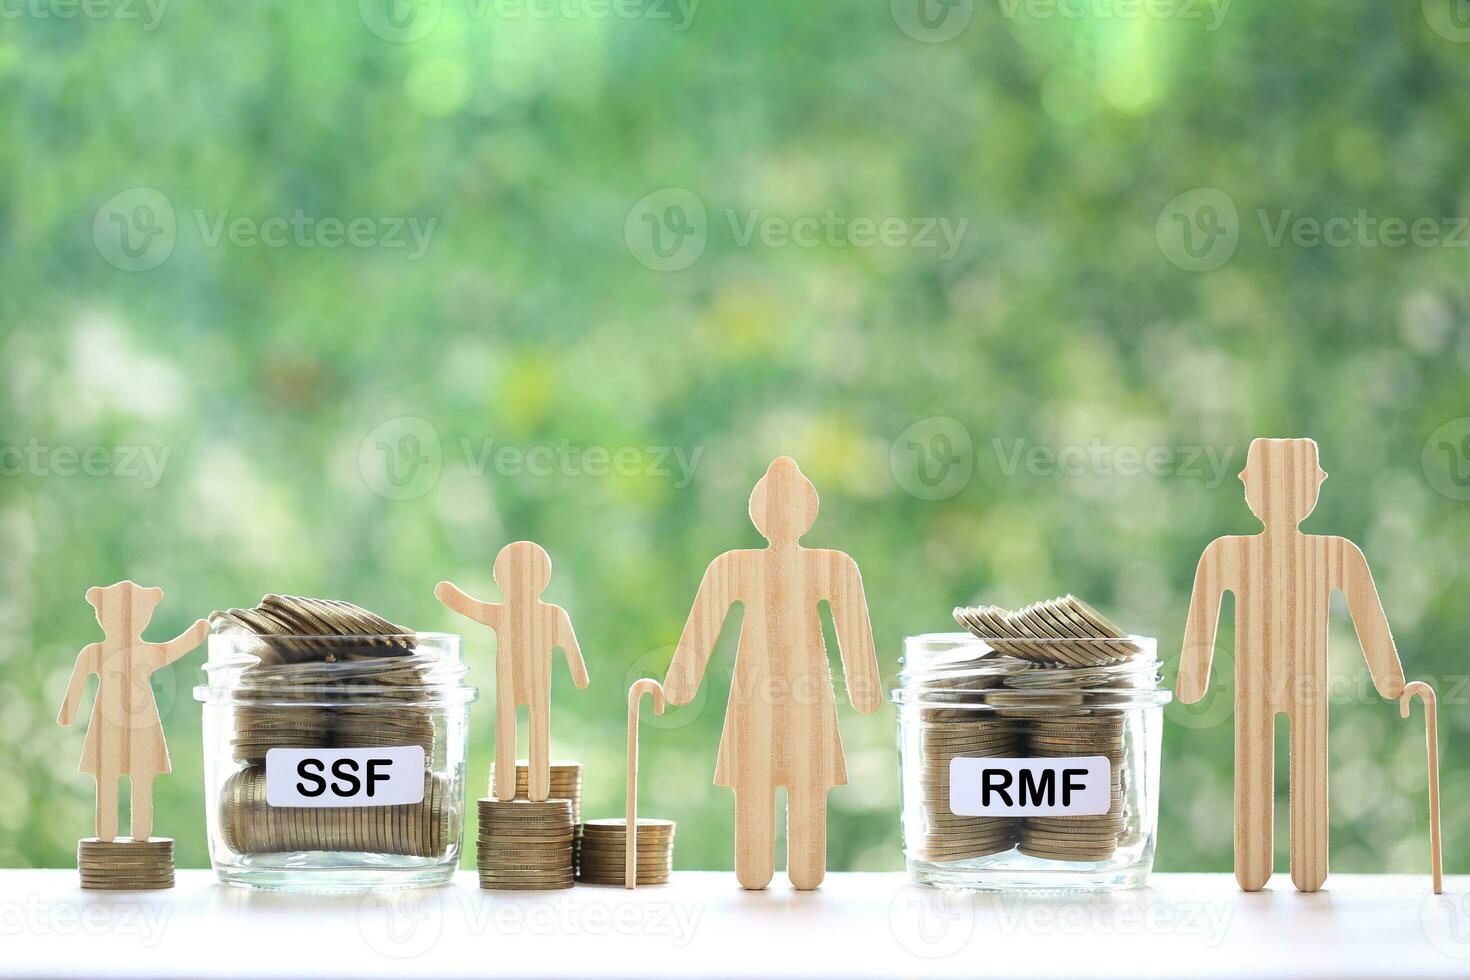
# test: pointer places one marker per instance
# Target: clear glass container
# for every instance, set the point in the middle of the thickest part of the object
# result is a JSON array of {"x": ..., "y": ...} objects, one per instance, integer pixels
[
  {"x": 1024, "y": 775},
  {"x": 334, "y": 762}
]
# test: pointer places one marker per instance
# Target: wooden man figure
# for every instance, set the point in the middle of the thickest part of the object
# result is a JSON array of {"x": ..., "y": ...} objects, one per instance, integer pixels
[
  {"x": 124, "y": 735},
  {"x": 527, "y": 632},
  {"x": 781, "y": 722},
  {"x": 1282, "y": 580}
]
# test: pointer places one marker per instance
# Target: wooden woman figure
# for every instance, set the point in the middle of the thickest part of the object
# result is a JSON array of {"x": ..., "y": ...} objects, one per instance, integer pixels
[
  {"x": 781, "y": 722},
  {"x": 1282, "y": 580},
  {"x": 527, "y": 633},
  {"x": 124, "y": 735}
]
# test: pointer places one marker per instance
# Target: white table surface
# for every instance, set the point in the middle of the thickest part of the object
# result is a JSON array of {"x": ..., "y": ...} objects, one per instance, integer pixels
[{"x": 703, "y": 924}]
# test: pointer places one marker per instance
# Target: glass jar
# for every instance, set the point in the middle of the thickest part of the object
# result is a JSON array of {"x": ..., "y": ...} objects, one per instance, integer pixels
[
  {"x": 1024, "y": 775},
  {"x": 334, "y": 762}
]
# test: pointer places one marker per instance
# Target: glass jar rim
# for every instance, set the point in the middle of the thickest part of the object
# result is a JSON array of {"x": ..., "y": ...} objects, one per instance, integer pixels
[
  {"x": 934, "y": 662},
  {"x": 235, "y": 672}
]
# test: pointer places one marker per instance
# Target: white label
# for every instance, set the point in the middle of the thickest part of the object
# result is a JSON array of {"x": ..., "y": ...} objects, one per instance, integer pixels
[
  {"x": 982, "y": 787},
  {"x": 345, "y": 777}
]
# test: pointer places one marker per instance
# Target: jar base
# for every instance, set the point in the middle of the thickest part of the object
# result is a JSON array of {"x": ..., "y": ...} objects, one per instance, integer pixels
[
  {"x": 1014, "y": 871},
  {"x": 335, "y": 872}
]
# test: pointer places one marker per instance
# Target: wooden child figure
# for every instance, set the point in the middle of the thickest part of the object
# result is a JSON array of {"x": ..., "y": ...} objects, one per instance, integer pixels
[
  {"x": 527, "y": 632},
  {"x": 1282, "y": 580},
  {"x": 124, "y": 735},
  {"x": 781, "y": 722}
]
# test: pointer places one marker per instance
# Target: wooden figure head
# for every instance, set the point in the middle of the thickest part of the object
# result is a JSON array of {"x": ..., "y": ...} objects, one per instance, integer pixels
[
  {"x": 126, "y": 602},
  {"x": 783, "y": 505},
  {"x": 522, "y": 567},
  {"x": 1282, "y": 478}
]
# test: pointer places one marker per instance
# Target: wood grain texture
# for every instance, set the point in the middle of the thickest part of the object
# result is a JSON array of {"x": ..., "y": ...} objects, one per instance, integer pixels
[
  {"x": 1282, "y": 580},
  {"x": 1431, "y": 728},
  {"x": 781, "y": 720},
  {"x": 124, "y": 733},
  {"x": 646, "y": 685},
  {"x": 527, "y": 633}
]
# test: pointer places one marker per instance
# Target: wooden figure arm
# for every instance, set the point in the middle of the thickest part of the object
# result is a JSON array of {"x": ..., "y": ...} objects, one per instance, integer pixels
[
  {"x": 76, "y": 686},
  {"x": 171, "y": 650},
  {"x": 567, "y": 640},
  {"x": 484, "y": 613},
  {"x": 711, "y": 605},
  {"x": 1211, "y": 582},
  {"x": 1371, "y": 623},
  {"x": 854, "y": 634}
]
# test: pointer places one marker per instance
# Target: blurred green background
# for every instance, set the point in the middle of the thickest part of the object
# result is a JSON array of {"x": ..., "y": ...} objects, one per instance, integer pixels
[{"x": 338, "y": 298}]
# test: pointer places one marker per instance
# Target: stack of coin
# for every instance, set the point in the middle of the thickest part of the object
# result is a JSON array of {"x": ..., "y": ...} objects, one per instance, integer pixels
[
  {"x": 124, "y": 864},
  {"x": 250, "y": 825},
  {"x": 524, "y": 845},
  {"x": 310, "y": 650},
  {"x": 602, "y": 857},
  {"x": 1077, "y": 838},
  {"x": 948, "y": 836},
  {"x": 1039, "y": 633},
  {"x": 566, "y": 783}
]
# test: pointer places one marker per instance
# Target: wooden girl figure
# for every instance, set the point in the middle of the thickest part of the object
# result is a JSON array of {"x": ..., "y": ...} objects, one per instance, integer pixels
[
  {"x": 527, "y": 632},
  {"x": 124, "y": 735},
  {"x": 781, "y": 722},
  {"x": 1282, "y": 580}
]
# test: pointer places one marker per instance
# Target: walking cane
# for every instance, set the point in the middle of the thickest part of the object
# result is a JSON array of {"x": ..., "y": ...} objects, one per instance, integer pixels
[
  {"x": 1431, "y": 724},
  {"x": 635, "y": 694}
]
